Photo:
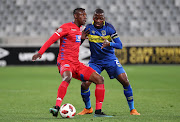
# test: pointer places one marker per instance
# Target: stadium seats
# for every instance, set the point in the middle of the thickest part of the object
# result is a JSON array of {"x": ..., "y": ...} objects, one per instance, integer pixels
[{"x": 131, "y": 18}]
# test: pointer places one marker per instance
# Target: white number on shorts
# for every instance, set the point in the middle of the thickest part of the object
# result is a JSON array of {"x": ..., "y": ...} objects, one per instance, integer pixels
[{"x": 117, "y": 63}]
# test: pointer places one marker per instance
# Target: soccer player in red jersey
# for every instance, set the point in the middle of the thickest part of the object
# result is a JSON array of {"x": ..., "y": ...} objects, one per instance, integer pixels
[{"x": 70, "y": 36}]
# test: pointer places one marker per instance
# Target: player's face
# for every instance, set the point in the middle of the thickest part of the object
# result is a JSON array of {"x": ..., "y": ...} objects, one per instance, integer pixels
[
  {"x": 81, "y": 17},
  {"x": 98, "y": 20}
]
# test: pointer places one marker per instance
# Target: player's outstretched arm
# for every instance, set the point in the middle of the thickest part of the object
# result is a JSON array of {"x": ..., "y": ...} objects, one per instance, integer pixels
[{"x": 35, "y": 56}]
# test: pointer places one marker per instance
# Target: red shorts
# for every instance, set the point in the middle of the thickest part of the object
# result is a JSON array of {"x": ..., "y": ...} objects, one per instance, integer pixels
[{"x": 79, "y": 70}]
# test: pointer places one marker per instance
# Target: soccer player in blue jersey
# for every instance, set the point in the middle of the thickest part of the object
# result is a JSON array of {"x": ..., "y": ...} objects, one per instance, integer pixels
[{"x": 103, "y": 39}]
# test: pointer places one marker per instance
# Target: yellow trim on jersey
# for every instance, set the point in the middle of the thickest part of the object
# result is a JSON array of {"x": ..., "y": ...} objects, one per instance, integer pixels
[
  {"x": 86, "y": 91},
  {"x": 98, "y": 39},
  {"x": 115, "y": 37}
]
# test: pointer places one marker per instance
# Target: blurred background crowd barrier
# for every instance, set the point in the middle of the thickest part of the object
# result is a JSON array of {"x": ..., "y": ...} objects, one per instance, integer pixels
[{"x": 148, "y": 29}]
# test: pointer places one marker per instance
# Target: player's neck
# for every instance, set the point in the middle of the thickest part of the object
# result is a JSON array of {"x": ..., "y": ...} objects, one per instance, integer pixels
[{"x": 76, "y": 23}]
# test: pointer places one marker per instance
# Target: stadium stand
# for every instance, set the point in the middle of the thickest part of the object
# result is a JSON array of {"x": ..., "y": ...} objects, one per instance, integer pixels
[{"x": 138, "y": 22}]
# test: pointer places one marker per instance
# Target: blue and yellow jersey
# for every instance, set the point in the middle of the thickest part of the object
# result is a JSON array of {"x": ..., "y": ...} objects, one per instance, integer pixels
[{"x": 95, "y": 41}]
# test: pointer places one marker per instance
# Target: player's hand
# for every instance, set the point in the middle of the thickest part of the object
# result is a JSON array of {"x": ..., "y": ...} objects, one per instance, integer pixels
[
  {"x": 105, "y": 43},
  {"x": 36, "y": 56},
  {"x": 84, "y": 34}
]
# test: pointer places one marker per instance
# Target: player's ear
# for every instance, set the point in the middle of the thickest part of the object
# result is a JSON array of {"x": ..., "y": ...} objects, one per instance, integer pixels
[{"x": 75, "y": 16}]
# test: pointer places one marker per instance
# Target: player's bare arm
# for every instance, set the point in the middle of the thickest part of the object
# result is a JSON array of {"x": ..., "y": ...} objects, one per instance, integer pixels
[
  {"x": 35, "y": 56},
  {"x": 85, "y": 34}
]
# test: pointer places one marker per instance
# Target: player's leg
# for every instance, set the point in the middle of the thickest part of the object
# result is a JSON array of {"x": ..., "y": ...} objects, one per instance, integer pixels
[
  {"x": 66, "y": 78},
  {"x": 128, "y": 92},
  {"x": 85, "y": 94},
  {"x": 85, "y": 91},
  {"x": 99, "y": 94},
  {"x": 88, "y": 74},
  {"x": 115, "y": 70}
]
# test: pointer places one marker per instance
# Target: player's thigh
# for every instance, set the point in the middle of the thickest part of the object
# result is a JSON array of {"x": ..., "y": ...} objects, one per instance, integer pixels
[
  {"x": 65, "y": 69},
  {"x": 96, "y": 78},
  {"x": 83, "y": 72},
  {"x": 64, "y": 66}
]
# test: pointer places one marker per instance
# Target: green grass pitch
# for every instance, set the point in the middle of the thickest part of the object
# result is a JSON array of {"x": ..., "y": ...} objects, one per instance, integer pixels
[{"x": 27, "y": 93}]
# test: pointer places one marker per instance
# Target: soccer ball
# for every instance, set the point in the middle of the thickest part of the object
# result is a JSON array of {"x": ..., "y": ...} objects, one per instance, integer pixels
[{"x": 67, "y": 111}]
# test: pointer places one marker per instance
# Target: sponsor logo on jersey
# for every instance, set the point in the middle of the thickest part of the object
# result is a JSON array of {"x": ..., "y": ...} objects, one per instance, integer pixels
[
  {"x": 73, "y": 29},
  {"x": 93, "y": 31},
  {"x": 59, "y": 30},
  {"x": 103, "y": 32},
  {"x": 98, "y": 39},
  {"x": 66, "y": 65},
  {"x": 78, "y": 38}
]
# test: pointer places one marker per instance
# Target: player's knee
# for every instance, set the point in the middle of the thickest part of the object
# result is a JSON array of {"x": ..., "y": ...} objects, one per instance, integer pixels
[
  {"x": 67, "y": 76},
  {"x": 100, "y": 80},
  {"x": 85, "y": 85},
  {"x": 126, "y": 83},
  {"x": 96, "y": 78},
  {"x": 123, "y": 79},
  {"x": 67, "y": 79}
]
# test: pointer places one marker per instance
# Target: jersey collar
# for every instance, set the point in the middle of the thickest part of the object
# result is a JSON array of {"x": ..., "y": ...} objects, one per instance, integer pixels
[{"x": 76, "y": 25}]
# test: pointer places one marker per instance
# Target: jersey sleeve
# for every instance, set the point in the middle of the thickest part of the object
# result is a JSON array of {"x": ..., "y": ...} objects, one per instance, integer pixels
[
  {"x": 114, "y": 36},
  {"x": 62, "y": 31}
]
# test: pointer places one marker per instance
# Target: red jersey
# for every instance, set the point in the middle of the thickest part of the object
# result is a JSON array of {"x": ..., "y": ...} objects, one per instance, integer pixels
[{"x": 70, "y": 40}]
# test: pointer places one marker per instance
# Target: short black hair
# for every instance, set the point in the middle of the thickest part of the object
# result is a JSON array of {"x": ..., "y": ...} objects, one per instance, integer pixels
[
  {"x": 77, "y": 10},
  {"x": 99, "y": 11}
]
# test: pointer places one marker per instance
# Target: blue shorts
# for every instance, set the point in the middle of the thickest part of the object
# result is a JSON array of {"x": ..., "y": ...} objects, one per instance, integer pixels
[{"x": 113, "y": 67}]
